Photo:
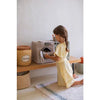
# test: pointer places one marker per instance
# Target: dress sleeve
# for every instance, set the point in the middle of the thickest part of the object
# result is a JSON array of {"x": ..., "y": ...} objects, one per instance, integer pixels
[{"x": 58, "y": 51}]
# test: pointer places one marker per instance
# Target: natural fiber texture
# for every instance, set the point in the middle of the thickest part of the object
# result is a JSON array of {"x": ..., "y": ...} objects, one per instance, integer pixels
[
  {"x": 24, "y": 57},
  {"x": 23, "y": 81}
]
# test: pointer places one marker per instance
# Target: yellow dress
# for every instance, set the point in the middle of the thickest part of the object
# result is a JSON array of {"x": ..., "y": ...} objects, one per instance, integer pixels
[{"x": 64, "y": 69}]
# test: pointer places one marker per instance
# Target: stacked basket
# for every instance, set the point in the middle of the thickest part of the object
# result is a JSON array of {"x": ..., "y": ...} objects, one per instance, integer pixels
[{"x": 23, "y": 59}]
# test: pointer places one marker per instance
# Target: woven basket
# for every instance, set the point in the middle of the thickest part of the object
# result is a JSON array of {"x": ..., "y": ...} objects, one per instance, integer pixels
[
  {"x": 24, "y": 54},
  {"x": 23, "y": 80}
]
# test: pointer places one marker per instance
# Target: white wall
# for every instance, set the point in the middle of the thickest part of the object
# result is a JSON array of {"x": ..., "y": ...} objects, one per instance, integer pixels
[{"x": 38, "y": 18}]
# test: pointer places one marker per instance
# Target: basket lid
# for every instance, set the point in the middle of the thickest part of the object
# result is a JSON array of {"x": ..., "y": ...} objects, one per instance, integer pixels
[{"x": 23, "y": 47}]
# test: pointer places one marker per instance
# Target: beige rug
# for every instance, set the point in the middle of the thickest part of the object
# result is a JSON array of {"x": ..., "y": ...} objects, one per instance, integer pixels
[{"x": 55, "y": 92}]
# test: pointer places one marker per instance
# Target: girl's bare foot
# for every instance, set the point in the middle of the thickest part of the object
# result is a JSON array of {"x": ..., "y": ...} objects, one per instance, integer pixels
[
  {"x": 78, "y": 83},
  {"x": 75, "y": 76},
  {"x": 81, "y": 82}
]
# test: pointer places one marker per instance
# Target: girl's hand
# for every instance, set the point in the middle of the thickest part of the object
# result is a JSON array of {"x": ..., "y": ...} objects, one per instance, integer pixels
[{"x": 46, "y": 56}]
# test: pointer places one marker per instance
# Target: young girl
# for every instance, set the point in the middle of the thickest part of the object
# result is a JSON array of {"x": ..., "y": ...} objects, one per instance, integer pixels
[{"x": 64, "y": 70}]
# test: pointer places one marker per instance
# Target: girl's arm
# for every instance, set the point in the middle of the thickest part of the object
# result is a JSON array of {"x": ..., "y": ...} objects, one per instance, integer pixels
[{"x": 55, "y": 58}]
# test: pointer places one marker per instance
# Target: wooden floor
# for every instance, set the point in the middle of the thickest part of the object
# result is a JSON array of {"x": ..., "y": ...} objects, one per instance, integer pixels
[{"x": 34, "y": 66}]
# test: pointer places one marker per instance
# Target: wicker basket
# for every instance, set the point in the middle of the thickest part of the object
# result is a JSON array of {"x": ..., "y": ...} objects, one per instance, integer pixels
[
  {"x": 23, "y": 80},
  {"x": 24, "y": 54}
]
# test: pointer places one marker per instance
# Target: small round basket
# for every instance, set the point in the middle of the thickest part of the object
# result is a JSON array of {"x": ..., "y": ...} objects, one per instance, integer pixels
[
  {"x": 23, "y": 80},
  {"x": 24, "y": 54}
]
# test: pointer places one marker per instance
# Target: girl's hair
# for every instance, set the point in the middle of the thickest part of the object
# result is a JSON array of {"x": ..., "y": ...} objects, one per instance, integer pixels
[{"x": 61, "y": 30}]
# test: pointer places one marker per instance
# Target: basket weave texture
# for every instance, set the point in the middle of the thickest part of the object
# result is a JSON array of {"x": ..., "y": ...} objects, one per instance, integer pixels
[
  {"x": 24, "y": 54},
  {"x": 23, "y": 81}
]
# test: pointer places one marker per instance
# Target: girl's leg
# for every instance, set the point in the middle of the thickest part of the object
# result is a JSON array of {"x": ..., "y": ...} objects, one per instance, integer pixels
[{"x": 78, "y": 83}]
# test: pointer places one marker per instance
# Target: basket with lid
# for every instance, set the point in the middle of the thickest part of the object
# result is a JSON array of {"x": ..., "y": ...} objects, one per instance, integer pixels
[{"x": 24, "y": 54}]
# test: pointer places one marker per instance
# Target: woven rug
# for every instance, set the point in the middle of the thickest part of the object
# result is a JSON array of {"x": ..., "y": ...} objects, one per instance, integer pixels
[{"x": 55, "y": 92}]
